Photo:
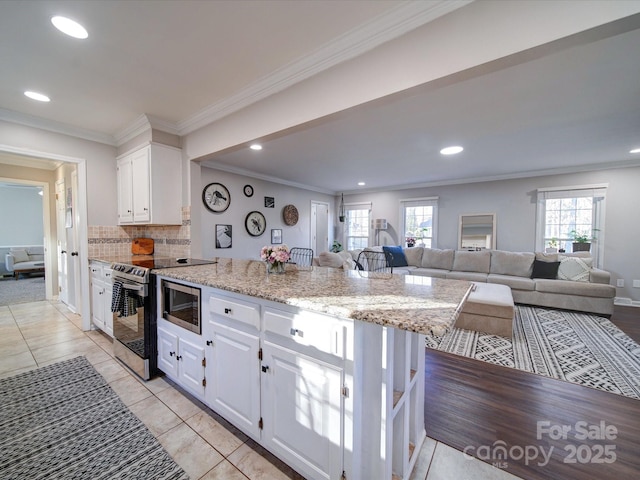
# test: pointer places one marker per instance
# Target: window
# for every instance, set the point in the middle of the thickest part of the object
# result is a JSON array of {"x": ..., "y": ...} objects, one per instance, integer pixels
[
  {"x": 357, "y": 221},
  {"x": 419, "y": 217},
  {"x": 571, "y": 209}
]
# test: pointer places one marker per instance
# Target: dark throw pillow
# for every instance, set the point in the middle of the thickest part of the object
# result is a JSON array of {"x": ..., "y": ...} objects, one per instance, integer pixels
[
  {"x": 399, "y": 260},
  {"x": 547, "y": 270}
]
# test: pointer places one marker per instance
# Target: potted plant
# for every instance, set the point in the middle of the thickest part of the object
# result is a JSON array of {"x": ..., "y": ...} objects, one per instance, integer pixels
[
  {"x": 581, "y": 241},
  {"x": 552, "y": 245},
  {"x": 336, "y": 246}
]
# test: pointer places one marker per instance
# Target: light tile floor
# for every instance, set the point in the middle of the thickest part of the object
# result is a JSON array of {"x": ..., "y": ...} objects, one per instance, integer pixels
[{"x": 203, "y": 444}]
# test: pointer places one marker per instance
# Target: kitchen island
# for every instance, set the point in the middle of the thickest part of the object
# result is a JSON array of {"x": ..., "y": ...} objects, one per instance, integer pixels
[{"x": 323, "y": 367}]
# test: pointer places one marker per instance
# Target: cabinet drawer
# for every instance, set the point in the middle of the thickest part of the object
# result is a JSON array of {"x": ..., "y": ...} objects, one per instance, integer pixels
[
  {"x": 309, "y": 329},
  {"x": 235, "y": 309},
  {"x": 107, "y": 272}
]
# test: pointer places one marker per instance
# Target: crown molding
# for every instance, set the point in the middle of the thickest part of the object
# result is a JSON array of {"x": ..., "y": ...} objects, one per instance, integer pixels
[
  {"x": 512, "y": 176},
  {"x": 56, "y": 127},
  {"x": 267, "y": 178},
  {"x": 144, "y": 123},
  {"x": 400, "y": 20}
]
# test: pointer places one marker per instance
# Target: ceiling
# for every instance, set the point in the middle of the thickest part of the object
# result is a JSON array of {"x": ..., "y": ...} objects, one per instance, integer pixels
[{"x": 571, "y": 107}]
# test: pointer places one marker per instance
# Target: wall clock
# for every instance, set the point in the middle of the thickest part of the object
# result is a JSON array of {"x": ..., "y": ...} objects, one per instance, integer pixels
[
  {"x": 290, "y": 215},
  {"x": 216, "y": 197},
  {"x": 255, "y": 223},
  {"x": 248, "y": 190}
]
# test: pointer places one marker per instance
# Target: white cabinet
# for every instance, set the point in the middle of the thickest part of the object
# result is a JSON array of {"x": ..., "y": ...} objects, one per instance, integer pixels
[
  {"x": 302, "y": 411},
  {"x": 150, "y": 186},
  {"x": 231, "y": 329},
  {"x": 181, "y": 357},
  {"x": 101, "y": 293}
]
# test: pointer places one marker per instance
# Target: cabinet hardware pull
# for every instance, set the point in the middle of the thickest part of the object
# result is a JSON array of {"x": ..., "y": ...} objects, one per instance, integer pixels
[
  {"x": 179, "y": 357},
  {"x": 209, "y": 343},
  {"x": 171, "y": 354},
  {"x": 265, "y": 368},
  {"x": 227, "y": 311}
]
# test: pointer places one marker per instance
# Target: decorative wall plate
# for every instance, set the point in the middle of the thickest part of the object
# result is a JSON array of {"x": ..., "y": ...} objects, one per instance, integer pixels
[
  {"x": 290, "y": 215},
  {"x": 248, "y": 190},
  {"x": 255, "y": 223},
  {"x": 216, "y": 197}
]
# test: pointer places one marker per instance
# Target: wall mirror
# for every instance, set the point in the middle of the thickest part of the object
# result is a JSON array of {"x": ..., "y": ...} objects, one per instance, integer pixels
[{"x": 477, "y": 231}]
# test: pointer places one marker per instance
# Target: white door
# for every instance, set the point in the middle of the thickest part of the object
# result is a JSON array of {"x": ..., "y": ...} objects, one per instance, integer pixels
[
  {"x": 302, "y": 410},
  {"x": 61, "y": 246},
  {"x": 191, "y": 366},
  {"x": 233, "y": 376},
  {"x": 74, "y": 296},
  {"x": 167, "y": 352},
  {"x": 319, "y": 227}
]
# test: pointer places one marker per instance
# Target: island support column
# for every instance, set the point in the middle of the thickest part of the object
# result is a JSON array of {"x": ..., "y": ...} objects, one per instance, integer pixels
[{"x": 388, "y": 402}]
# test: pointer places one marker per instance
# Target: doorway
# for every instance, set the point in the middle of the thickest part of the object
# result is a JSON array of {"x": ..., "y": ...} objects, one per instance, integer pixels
[
  {"x": 319, "y": 226},
  {"x": 18, "y": 156}
]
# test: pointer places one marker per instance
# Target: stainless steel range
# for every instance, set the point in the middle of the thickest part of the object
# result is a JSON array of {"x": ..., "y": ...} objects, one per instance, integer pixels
[{"x": 134, "y": 308}]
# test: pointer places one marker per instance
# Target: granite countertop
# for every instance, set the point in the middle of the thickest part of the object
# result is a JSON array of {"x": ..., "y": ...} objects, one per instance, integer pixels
[{"x": 419, "y": 304}]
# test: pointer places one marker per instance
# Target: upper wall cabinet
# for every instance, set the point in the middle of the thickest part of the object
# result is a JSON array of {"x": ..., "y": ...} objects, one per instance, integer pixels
[{"x": 150, "y": 186}]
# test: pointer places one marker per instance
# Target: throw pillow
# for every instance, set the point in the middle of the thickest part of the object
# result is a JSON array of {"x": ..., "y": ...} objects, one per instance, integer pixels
[
  {"x": 576, "y": 269},
  {"x": 330, "y": 259},
  {"x": 19, "y": 255},
  {"x": 399, "y": 260},
  {"x": 347, "y": 261},
  {"x": 547, "y": 270}
]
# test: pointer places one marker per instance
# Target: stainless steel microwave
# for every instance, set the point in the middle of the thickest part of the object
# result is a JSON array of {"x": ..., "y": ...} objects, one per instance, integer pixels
[{"x": 181, "y": 305}]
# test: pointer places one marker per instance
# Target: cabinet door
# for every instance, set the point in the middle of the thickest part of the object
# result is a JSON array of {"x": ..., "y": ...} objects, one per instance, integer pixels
[
  {"x": 125, "y": 190},
  {"x": 167, "y": 352},
  {"x": 233, "y": 376},
  {"x": 191, "y": 366},
  {"x": 97, "y": 303},
  {"x": 107, "y": 315},
  {"x": 140, "y": 175},
  {"x": 303, "y": 410}
]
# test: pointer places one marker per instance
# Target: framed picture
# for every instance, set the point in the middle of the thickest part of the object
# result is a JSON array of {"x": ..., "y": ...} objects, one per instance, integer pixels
[
  {"x": 223, "y": 236},
  {"x": 269, "y": 202},
  {"x": 276, "y": 235}
]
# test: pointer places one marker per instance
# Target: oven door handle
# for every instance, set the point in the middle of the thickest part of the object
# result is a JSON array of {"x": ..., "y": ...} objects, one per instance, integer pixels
[{"x": 138, "y": 288}]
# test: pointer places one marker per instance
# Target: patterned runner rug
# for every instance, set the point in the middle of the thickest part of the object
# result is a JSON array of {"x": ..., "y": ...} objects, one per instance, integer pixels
[
  {"x": 64, "y": 421},
  {"x": 576, "y": 347}
]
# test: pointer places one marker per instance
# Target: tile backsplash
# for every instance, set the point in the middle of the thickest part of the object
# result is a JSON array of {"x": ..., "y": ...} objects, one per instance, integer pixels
[{"x": 169, "y": 240}]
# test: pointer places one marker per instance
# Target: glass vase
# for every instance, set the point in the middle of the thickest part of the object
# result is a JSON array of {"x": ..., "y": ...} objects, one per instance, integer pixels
[{"x": 275, "y": 267}]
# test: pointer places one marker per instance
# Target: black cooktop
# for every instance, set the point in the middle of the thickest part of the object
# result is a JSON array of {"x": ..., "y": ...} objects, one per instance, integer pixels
[{"x": 169, "y": 262}]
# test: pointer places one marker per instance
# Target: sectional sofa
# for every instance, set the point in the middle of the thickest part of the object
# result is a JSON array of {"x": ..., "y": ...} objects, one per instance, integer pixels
[{"x": 566, "y": 281}]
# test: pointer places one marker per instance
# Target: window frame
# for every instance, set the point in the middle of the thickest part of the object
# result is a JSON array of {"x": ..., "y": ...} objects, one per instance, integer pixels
[
  {"x": 598, "y": 193},
  {"x": 419, "y": 202},
  {"x": 351, "y": 207}
]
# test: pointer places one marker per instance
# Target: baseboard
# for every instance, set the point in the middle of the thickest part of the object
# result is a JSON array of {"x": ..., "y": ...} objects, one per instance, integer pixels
[{"x": 627, "y": 302}]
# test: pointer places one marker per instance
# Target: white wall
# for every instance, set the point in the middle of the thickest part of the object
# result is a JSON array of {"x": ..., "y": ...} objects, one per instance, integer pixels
[
  {"x": 100, "y": 160},
  {"x": 244, "y": 245},
  {"x": 514, "y": 202},
  {"x": 20, "y": 216}
]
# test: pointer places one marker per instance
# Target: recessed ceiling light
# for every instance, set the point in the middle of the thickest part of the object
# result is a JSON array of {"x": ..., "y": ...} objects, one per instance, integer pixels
[
  {"x": 256, "y": 146},
  {"x": 451, "y": 150},
  {"x": 635, "y": 150},
  {"x": 361, "y": 184},
  {"x": 69, "y": 27},
  {"x": 37, "y": 96}
]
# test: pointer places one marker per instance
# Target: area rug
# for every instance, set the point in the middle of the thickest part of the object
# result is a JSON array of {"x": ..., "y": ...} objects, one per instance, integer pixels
[
  {"x": 29, "y": 289},
  {"x": 576, "y": 347},
  {"x": 64, "y": 421}
]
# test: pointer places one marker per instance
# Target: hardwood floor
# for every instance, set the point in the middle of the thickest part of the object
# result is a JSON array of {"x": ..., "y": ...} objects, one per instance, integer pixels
[{"x": 472, "y": 404}]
